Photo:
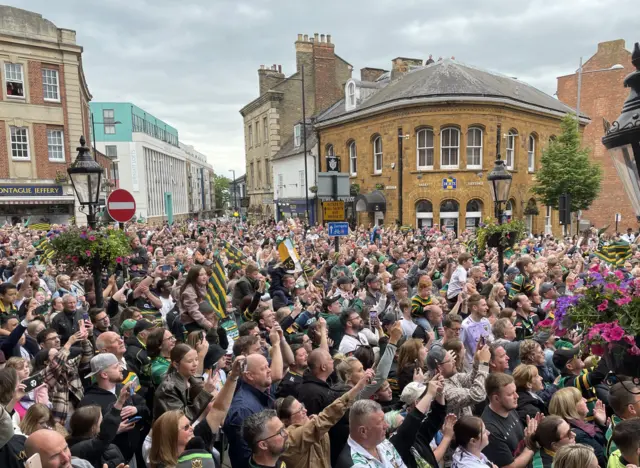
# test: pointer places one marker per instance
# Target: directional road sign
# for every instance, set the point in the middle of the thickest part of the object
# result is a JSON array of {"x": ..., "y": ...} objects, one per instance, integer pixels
[{"x": 338, "y": 229}]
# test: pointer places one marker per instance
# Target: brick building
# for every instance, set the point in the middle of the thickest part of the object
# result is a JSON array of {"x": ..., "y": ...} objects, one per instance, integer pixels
[
  {"x": 601, "y": 97},
  {"x": 269, "y": 120},
  {"x": 43, "y": 112},
  {"x": 443, "y": 120}
]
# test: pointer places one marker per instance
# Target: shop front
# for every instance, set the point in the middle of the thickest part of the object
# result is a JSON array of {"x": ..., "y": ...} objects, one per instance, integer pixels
[
  {"x": 374, "y": 204},
  {"x": 39, "y": 203},
  {"x": 295, "y": 208}
]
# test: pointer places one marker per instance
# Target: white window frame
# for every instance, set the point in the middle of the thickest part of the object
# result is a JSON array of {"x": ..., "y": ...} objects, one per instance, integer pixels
[
  {"x": 302, "y": 184},
  {"x": 330, "y": 152},
  {"x": 109, "y": 122},
  {"x": 420, "y": 215},
  {"x": 449, "y": 149},
  {"x": 280, "y": 185},
  {"x": 56, "y": 146},
  {"x": 377, "y": 154},
  {"x": 475, "y": 147},
  {"x": 353, "y": 159},
  {"x": 547, "y": 221},
  {"x": 531, "y": 151},
  {"x": 425, "y": 149},
  {"x": 351, "y": 94},
  {"x": 50, "y": 84},
  {"x": 297, "y": 135},
  {"x": 24, "y": 140},
  {"x": 14, "y": 73},
  {"x": 106, "y": 152},
  {"x": 511, "y": 150}
]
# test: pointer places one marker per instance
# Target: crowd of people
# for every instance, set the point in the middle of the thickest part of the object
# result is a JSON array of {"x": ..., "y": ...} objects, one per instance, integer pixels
[{"x": 402, "y": 348}]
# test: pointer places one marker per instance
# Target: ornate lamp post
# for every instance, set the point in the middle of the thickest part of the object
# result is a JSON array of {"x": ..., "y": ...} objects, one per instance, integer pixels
[
  {"x": 622, "y": 138},
  {"x": 499, "y": 185},
  {"x": 86, "y": 175}
]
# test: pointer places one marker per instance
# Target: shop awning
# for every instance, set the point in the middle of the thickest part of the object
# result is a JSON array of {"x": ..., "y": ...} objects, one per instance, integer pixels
[
  {"x": 64, "y": 200},
  {"x": 371, "y": 202}
]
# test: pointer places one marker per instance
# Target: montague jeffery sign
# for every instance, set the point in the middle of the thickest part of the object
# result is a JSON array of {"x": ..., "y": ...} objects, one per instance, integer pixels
[{"x": 30, "y": 190}]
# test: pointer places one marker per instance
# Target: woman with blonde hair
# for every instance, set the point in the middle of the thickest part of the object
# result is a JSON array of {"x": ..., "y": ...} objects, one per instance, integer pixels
[
  {"x": 495, "y": 301},
  {"x": 528, "y": 382},
  {"x": 575, "y": 456},
  {"x": 569, "y": 404},
  {"x": 348, "y": 369},
  {"x": 411, "y": 362},
  {"x": 38, "y": 395}
]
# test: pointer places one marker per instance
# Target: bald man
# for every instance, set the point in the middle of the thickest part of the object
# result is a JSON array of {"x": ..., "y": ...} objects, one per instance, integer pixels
[
  {"x": 52, "y": 447},
  {"x": 256, "y": 394},
  {"x": 111, "y": 342}
]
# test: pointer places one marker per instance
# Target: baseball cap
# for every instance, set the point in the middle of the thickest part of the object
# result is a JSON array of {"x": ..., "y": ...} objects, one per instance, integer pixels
[
  {"x": 421, "y": 334},
  {"x": 562, "y": 356},
  {"x": 127, "y": 325},
  {"x": 100, "y": 362},
  {"x": 344, "y": 280},
  {"x": 214, "y": 353},
  {"x": 388, "y": 319},
  {"x": 512, "y": 271},
  {"x": 327, "y": 301},
  {"x": 545, "y": 288},
  {"x": 412, "y": 392},
  {"x": 436, "y": 356},
  {"x": 141, "y": 326},
  {"x": 542, "y": 337}
]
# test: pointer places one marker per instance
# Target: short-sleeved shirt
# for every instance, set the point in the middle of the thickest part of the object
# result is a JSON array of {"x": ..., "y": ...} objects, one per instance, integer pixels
[{"x": 506, "y": 434}]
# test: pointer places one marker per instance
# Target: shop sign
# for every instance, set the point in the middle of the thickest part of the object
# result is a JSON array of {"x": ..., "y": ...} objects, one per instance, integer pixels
[
  {"x": 423, "y": 185},
  {"x": 333, "y": 211},
  {"x": 30, "y": 190},
  {"x": 475, "y": 183},
  {"x": 391, "y": 187},
  {"x": 449, "y": 183}
]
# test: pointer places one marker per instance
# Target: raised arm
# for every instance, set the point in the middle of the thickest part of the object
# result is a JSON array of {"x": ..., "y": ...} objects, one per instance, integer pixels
[{"x": 277, "y": 366}]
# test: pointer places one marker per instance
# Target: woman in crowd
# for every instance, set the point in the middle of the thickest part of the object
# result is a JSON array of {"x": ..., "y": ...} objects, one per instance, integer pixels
[
  {"x": 91, "y": 436},
  {"x": 569, "y": 404},
  {"x": 553, "y": 433},
  {"x": 411, "y": 360},
  {"x": 38, "y": 395},
  {"x": 180, "y": 390},
  {"x": 308, "y": 439},
  {"x": 192, "y": 294},
  {"x": 160, "y": 342},
  {"x": 348, "y": 369},
  {"x": 495, "y": 301},
  {"x": 528, "y": 383},
  {"x": 173, "y": 430},
  {"x": 471, "y": 438},
  {"x": 575, "y": 456}
]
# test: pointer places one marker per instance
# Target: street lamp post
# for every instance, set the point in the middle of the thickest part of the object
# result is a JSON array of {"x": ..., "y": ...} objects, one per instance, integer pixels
[
  {"x": 235, "y": 193},
  {"x": 499, "y": 185},
  {"x": 86, "y": 175},
  {"x": 622, "y": 138}
]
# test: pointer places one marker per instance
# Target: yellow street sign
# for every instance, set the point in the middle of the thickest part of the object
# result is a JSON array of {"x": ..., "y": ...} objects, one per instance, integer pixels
[{"x": 333, "y": 210}]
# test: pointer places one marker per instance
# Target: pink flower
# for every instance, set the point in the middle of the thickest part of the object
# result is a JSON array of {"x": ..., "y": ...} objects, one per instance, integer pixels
[
  {"x": 623, "y": 300},
  {"x": 118, "y": 259},
  {"x": 603, "y": 306},
  {"x": 88, "y": 253},
  {"x": 634, "y": 351},
  {"x": 597, "y": 349},
  {"x": 611, "y": 286},
  {"x": 92, "y": 238},
  {"x": 619, "y": 274},
  {"x": 630, "y": 340},
  {"x": 615, "y": 333},
  {"x": 74, "y": 259}
]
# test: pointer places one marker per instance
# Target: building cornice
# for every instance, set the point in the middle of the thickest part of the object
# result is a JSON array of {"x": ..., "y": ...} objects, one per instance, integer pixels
[
  {"x": 431, "y": 100},
  {"x": 266, "y": 97},
  {"x": 42, "y": 44}
]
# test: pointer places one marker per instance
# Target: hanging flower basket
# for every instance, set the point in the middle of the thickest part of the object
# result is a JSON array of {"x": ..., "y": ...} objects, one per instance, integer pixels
[
  {"x": 619, "y": 359},
  {"x": 490, "y": 234},
  {"x": 379, "y": 186},
  {"x": 78, "y": 246},
  {"x": 313, "y": 189},
  {"x": 354, "y": 189},
  {"x": 531, "y": 209}
]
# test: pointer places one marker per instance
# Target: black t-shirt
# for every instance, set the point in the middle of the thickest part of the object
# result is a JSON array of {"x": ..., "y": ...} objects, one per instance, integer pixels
[{"x": 506, "y": 434}]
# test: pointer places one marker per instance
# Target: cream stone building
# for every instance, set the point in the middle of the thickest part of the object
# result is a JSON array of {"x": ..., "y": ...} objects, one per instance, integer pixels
[{"x": 44, "y": 109}]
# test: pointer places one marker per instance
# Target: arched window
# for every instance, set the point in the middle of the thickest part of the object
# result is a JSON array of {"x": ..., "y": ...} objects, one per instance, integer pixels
[
  {"x": 449, "y": 148},
  {"x": 351, "y": 94},
  {"x": 424, "y": 214},
  {"x": 474, "y": 148},
  {"x": 511, "y": 149},
  {"x": 449, "y": 215},
  {"x": 329, "y": 150},
  {"x": 377, "y": 155},
  {"x": 531, "y": 151},
  {"x": 474, "y": 214},
  {"x": 353, "y": 159},
  {"x": 424, "y": 149}
]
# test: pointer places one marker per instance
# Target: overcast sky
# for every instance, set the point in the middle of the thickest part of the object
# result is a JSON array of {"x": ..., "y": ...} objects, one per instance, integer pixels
[{"x": 193, "y": 63}]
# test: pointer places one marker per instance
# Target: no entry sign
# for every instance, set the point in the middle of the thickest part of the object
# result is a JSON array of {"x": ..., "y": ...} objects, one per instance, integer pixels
[{"x": 121, "y": 205}]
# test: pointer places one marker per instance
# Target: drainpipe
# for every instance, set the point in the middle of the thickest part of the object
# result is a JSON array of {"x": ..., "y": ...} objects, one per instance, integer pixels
[{"x": 400, "y": 173}]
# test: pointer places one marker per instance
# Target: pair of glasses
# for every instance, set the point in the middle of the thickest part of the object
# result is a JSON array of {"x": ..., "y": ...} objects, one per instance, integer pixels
[
  {"x": 186, "y": 427},
  {"x": 302, "y": 408},
  {"x": 282, "y": 432}
]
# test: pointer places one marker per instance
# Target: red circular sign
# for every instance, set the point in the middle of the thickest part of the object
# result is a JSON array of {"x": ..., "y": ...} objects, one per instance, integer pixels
[{"x": 121, "y": 205}]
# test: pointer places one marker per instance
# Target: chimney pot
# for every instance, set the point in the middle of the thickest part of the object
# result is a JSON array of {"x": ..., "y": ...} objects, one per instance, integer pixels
[
  {"x": 306, "y": 38},
  {"x": 321, "y": 37},
  {"x": 315, "y": 36},
  {"x": 299, "y": 37},
  {"x": 279, "y": 68},
  {"x": 274, "y": 67},
  {"x": 311, "y": 39},
  {"x": 328, "y": 38},
  {"x": 261, "y": 67}
]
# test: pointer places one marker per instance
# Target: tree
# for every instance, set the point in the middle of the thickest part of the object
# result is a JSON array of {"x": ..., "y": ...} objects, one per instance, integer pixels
[
  {"x": 566, "y": 169},
  {"x": 223, "y": 194}
]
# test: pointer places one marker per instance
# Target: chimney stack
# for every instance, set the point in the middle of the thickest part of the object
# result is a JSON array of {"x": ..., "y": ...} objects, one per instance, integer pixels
[
  {"x": 401, "y": 65},
  {"x": 299, "y": 37},
  {"x": 371, "y": 74},
  {"x": 321, "y": 37},
  {"x": 315, "y": 37},
  {"x": 306, "y": 38},
  {"x": 268, "y": 77},
  {"x": 328, "y": 38},
  {"x": 279, "y": 68}
]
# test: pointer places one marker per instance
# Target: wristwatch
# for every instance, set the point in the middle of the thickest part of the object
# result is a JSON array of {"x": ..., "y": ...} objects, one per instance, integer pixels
[{"x": 484, "y": 363}]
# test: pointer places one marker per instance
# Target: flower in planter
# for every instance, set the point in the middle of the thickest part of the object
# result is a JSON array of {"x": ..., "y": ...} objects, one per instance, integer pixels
[{"x": 92, "y": 238}]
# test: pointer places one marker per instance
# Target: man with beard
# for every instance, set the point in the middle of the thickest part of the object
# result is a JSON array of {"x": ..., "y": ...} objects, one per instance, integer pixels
[
  {"x": 353, "y": 325},
  {"x": 525, "y": 320},
  {"x": 267, "y": 437},
  {"x": 246, "y": 285},
  {"x": 475, "y": 327},
  {"x": 101, "y": 322},
  {"x": 373, "y": 291}
]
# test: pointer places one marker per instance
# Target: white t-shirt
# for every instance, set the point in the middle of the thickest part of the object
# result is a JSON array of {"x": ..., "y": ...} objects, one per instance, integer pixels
[
  {"x": 470, "y": 334},
  {"x": 408, "y": 327},
  {"x": 350, "y": 343},
  {"x": 457, "y": 282}
]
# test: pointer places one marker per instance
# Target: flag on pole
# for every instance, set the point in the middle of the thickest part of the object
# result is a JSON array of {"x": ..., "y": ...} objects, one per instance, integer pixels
[
  {"x": 235, "y": 255},
  {"x": 289, "y": 256},
  {"x": 216, "y": 288},
  {"x": 615, "y": 254}
]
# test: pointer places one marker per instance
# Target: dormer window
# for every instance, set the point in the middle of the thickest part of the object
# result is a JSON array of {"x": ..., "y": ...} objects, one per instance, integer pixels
[
  {"x": 297, "y": 135},
  {"x": 352, "y": 94}
]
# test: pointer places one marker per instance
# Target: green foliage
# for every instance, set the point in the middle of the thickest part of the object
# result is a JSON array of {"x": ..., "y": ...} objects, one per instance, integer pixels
[
  {"x": 510, "y": 232},
  {"x": 223, "y": 194},
  {"x": 566, "y": 169},
  {"x": 78, "y": 246}
]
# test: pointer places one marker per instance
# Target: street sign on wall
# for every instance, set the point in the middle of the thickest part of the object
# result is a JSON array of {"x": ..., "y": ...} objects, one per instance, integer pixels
[
  {"x": 338, "y": 229},
  {"x": 333, "y": 210},
  {"x": 121, "y": 205}
]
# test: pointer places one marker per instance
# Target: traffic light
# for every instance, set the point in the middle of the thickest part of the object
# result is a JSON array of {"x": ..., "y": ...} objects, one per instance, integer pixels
[{"x": 564, "y": 209}]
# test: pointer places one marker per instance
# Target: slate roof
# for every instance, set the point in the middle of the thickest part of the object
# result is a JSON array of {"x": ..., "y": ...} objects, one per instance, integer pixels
[
  {"x": 451, "y": 78},
  {"x": 288, "y": 149}
]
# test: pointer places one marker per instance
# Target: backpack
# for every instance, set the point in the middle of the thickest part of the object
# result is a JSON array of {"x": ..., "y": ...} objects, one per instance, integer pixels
[{"x": 174, "y": 325}]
